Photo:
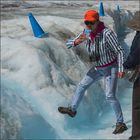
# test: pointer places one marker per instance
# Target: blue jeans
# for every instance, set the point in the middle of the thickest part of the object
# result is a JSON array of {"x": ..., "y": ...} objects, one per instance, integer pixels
[{"x": 94, "y": 74}]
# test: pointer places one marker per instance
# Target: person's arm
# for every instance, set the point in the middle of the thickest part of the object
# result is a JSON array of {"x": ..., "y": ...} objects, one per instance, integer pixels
[
  {"x": 133, "y": 58},
  {"x": 117, "y": 49}
]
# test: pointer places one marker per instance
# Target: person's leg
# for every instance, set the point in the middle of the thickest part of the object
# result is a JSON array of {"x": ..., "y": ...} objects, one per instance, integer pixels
[
  {"x": 136, "y": 109},
  {"x": 111, "y": 84},
  {"x": 92, "y": 76}
]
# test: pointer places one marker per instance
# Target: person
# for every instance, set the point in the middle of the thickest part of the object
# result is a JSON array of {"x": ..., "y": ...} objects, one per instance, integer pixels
[
  {"x": 133, "y": 62},
  {"x": 107, "y": 54}
]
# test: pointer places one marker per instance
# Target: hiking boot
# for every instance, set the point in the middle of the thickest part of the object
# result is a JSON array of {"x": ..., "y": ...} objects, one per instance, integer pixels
[
  {"x": 120, "y": 128},
  {"x": 67, "y": 110}
]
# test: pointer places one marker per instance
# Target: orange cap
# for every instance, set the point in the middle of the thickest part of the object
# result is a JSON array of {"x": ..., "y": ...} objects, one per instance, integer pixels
[{"x": 91, "y": 15}]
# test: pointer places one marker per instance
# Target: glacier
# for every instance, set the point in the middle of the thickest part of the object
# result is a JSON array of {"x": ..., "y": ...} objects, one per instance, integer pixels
[{"x": 38, "y": 75}]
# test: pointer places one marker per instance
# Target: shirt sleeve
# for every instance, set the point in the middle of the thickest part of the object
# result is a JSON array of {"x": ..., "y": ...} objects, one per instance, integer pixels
[
  {"x": 116, "y": 48},
  {"x": 133, "y": 59}
]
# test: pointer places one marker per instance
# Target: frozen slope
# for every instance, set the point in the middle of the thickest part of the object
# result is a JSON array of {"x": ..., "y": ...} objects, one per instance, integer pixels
[{"x": 47, "y": 72}]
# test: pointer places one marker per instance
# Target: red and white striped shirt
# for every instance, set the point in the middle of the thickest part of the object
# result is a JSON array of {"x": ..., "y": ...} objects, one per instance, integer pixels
[{"x": 106, "y": 49}]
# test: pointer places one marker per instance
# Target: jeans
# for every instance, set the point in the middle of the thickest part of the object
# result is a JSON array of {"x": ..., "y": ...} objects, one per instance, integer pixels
[{"x": 94, "y": 74}]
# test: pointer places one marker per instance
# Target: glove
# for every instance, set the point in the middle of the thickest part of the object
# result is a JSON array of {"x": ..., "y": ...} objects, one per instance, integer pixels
[{"x": 70, "y": 43}]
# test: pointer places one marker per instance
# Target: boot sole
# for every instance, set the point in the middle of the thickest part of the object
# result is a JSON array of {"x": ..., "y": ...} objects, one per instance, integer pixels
[
  {"x": 120, "y": 132},
  {"x": 63, "y": 112}
]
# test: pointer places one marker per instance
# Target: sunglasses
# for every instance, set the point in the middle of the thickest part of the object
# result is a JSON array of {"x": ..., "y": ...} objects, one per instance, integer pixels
[{"x": 89, "y": 22}]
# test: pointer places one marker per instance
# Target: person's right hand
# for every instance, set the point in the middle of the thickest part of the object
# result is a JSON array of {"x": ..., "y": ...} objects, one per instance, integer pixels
[
  {"x": 73, "y": 42},
  {"x": 80, "y": 39}
]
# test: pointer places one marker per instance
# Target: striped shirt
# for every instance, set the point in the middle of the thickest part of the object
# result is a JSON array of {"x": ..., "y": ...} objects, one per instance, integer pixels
[{"x": 105, "y": 49}]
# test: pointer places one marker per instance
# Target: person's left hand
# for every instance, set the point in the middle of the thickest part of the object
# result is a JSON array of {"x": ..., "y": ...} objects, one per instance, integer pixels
[{"x": 121, "y": 74}]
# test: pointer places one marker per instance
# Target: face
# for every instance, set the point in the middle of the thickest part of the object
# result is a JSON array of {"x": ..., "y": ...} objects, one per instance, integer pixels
[{"x": 92, "y": 25}]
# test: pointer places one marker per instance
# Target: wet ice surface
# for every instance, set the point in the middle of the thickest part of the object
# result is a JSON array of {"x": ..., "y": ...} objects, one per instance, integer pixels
[{"x": 44, "y": 73}]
